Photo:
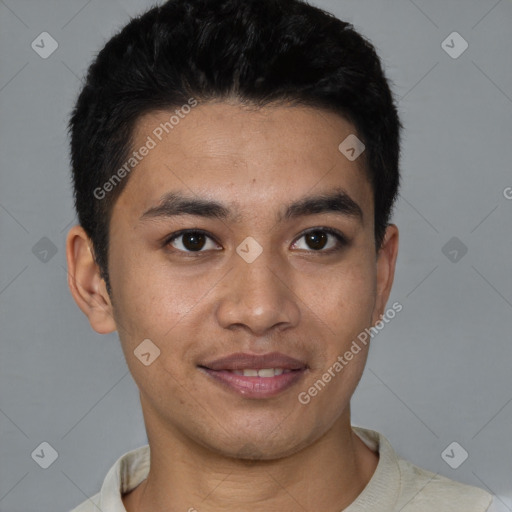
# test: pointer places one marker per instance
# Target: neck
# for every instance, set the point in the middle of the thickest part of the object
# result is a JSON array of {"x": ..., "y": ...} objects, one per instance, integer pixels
[{"x": 326, "y": 475}]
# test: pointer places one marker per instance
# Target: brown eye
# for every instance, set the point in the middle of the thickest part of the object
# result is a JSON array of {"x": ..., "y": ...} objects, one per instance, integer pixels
[
  {"x": 316, "y": 240},
  {"x": 322, "y": 240},
  {"x": 191, "y": 241}
]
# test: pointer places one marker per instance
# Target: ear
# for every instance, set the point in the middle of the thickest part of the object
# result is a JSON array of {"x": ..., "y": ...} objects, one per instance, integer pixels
[
  {"x": 386, "y": 261},
  {"x": 85, "y": 283}
]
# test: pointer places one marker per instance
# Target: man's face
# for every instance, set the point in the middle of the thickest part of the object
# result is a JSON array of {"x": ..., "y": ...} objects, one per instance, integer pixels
[{"x": 307, "y": 295}]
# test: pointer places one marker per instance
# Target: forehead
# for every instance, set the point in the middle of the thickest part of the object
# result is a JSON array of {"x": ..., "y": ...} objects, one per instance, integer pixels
[{"x": 249, "y": 158}]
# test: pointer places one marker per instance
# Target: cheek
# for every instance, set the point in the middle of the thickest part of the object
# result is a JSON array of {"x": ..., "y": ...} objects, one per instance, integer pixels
[
  {"x": 343, "y": 297},
  {"x": 157, "y": 303},
  {"x": 150, "y": 298}
]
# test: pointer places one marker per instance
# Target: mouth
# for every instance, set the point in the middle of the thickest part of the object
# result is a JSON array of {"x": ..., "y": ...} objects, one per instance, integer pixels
[{"x": 254, "y": 376}]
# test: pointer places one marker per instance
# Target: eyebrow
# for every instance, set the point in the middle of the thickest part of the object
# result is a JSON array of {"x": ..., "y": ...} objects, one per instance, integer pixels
[
  {"x": 337, "y": 201},
  {"x": 174, "y": 204}
]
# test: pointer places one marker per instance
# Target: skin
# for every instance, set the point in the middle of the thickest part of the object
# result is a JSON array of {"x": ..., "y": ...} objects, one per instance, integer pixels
[{"x": 212, "y": 449}]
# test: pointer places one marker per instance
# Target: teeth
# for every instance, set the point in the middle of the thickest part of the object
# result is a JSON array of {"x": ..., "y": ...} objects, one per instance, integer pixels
[
  {"x": 264, "y": 372},
  {"x": 268, "y": 372}
]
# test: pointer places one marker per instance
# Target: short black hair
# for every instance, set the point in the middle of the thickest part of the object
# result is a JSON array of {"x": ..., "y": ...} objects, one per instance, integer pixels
[{"x": 259, "y": 52}]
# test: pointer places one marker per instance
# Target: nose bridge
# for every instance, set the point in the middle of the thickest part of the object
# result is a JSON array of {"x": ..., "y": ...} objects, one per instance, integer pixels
[
  {"x": 259, "y": 271},
  {"x": 256, "y": 295}
]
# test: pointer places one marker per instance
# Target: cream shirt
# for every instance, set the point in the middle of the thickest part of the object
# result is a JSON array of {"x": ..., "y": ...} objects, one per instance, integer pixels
[{"x": 396, "y": 485}]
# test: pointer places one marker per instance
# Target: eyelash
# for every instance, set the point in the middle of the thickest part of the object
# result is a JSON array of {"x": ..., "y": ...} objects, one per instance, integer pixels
[{"x": 341, "y": 240}]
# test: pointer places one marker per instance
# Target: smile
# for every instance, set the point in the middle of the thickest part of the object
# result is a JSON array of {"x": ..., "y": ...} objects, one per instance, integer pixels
[{"x": 252, "y": 383}]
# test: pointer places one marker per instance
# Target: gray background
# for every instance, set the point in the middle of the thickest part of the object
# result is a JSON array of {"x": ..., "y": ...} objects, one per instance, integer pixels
[{"x": 438, "y": 373}]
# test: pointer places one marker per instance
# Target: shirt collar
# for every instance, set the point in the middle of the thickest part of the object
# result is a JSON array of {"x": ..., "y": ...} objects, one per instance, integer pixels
[{"x": 381, "y": 492}]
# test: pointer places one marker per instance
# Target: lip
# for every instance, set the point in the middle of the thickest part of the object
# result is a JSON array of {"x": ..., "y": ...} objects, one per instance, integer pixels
[
  {"x": 255, "y": 387},
  {"x": 243, "y": 361}
]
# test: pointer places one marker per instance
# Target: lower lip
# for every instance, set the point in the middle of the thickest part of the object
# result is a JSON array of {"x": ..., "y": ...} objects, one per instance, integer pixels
[{"x": 256, "y": 387}]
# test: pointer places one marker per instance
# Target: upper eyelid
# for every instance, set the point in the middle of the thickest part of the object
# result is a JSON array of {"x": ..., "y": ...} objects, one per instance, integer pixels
[
  {"x": 330, "y": 231},
  {"x": 174, "y": 236}
]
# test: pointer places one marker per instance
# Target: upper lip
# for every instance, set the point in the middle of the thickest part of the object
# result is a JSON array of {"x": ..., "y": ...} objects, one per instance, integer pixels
[{"x": 242, "y": 361}]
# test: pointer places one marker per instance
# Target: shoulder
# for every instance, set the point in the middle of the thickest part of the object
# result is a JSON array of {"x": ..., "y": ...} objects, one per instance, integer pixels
[
  {"x": 89, "y": 505},
  {"x": 425, "y": 491},
  {"x": 400, "y": 486},
  {"x": 128, "y": 471}
]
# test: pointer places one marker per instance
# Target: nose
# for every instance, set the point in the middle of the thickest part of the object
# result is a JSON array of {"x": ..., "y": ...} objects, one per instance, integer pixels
[{"x": 258, "y": 296}]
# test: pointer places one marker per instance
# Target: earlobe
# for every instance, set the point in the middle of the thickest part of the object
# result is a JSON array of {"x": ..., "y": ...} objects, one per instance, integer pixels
[
  {"x": 85, "y": 283},
  {"x": 386, "y": 262}
]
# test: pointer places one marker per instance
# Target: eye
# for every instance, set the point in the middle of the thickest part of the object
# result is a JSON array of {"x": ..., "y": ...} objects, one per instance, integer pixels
[
  {"x": 191, "y": 241},
  {"x": 321, "y": 240}
]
